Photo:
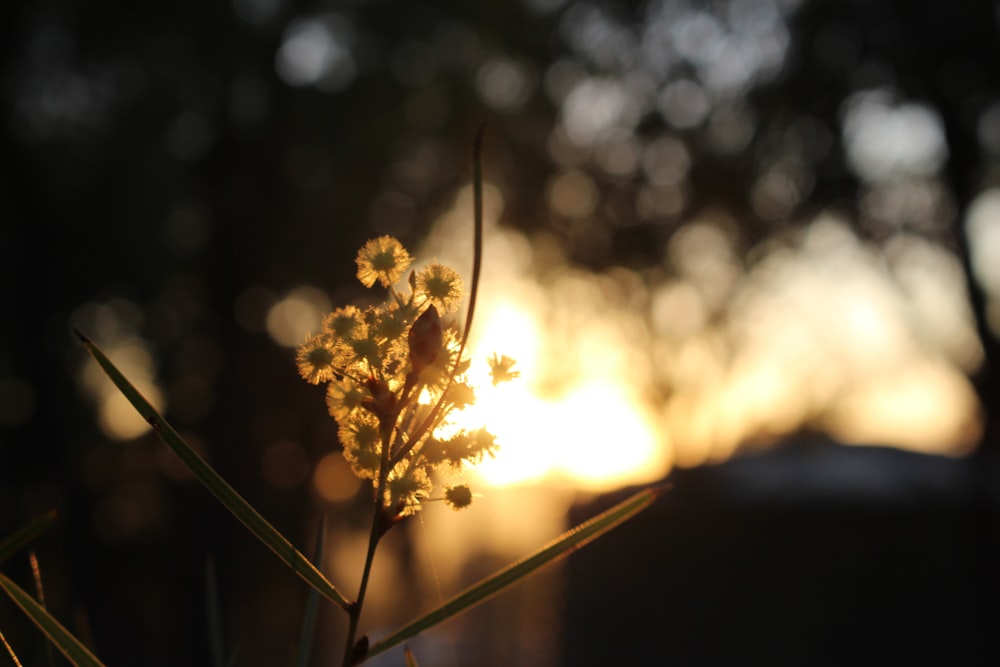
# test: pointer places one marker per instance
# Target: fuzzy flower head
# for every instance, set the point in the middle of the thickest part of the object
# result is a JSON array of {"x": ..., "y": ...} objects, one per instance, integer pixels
[
  {"x": 343, "y": 397},
  {"x": 383, "y": 259},
  {"x": 396, "y": 381},
  {"x": 317, "y": 358},
  {"x": 501, "y": 369},
  {"x": 343, "y": 322},
  {"x": 459, "y": 496},
  {"x": 441, "y": 286}
]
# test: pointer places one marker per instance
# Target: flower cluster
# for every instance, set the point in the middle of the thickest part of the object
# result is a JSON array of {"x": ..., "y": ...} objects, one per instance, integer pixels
[{"x": 394, "y": 377}]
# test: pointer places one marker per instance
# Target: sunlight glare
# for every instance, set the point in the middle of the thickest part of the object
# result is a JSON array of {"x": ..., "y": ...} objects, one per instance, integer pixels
[
  {"x": 594, "y": 435},
  {"x": 620, "y": 379},
  {"x": 926, "y": 407},
  {"x": 573, "y": 416}
]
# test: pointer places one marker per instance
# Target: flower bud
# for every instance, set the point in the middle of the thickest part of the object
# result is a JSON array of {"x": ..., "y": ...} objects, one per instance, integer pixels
[
  {"x": 458, "y": 496},
  {"x": 425, "y": 339}
]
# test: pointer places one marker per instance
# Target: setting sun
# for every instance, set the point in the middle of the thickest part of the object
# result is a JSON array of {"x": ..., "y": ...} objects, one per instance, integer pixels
[{"x": 592, "y": 435}]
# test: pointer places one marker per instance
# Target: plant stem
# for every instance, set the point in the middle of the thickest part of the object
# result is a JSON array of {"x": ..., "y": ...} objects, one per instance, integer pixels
[
  {"x": 378, "y": 530},
  {"x": 355, "y": 611}
]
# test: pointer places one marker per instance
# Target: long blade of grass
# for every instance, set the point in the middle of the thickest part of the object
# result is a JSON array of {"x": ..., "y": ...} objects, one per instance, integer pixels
[
  {"x": 213, "y": 614},
  {"x": 36, "y": 574},
  {"x": 562, "y": 546},
  {"x": 24, "y": 535},
  {"x": 70, "y": 646},
  {"x": 10, "y": 651},
  {"x": 312, "y": 603},
  {"x": 228, "y": 496}
]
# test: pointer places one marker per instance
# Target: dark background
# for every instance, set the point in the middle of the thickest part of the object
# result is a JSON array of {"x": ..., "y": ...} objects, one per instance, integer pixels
[{"x": 155, "y": 159}]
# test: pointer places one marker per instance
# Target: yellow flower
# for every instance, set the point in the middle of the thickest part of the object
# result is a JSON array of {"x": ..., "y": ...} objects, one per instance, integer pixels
[
  {"x": 343, "y": 397},
  {"x": 383, "y": 259},
  {"x": 500, "y": 369},
  {"x": 359, "y": 434},
  {"x": 392, "y": 321},
  {"x": 386, "y": 366},
  {"x": 368, "y": 351},
  {"x": 343, "y": 322},
  {"x": 461, "y": 394},
  {"x": 440, "y": 285},
  {"x": 316, "y": 358},
  {"x": 407, "y": 487},
  {"x": 466, "y": 447}
]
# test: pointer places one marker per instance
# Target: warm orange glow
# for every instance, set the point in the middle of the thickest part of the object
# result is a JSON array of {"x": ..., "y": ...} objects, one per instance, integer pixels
[
  {"x": 594, "y": 438},
  {"x": 624, "y": 376},
  {"x": 333, "y": 479},
  {"x": 925, "y": 408},
  {"x": 593, "y": 435}
]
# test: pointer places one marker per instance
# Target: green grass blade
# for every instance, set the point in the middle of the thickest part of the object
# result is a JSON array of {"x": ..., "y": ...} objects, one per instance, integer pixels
[
  {"x": 563, "y": 545},
  {"x": 312, "y": 603},
  {"x": 228, "y": 496},
  {"x": 24, "y": 536},
  {"x": 70, "y": 646},
  {"x": 10, "y": 651},
  {"x": 36, "y": 573},
  {"x": 213, "y": 614}
]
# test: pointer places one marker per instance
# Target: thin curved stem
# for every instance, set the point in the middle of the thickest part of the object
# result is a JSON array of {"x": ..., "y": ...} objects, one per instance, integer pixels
[
  {"x": 381, "y": 518},
  {"x": 355, "y": 611},
  {"x": 379, "y": 526}
]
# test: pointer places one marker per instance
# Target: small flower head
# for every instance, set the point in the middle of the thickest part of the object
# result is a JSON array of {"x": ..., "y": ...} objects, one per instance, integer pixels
[
  {"x": 460, "y": 395},
  {"x": 407, "y": 488},
  {"x": 367, "y": 350},
  {"x": 500, "y": 369},
  {"x": 361, "y": 437},
  {"x": 383, "y": 259},
  {"x": 463, "y": 447},
  {"x": 441, "y": 286},
  {"x": 343, "y": 397},
  {"x": 343, "y": 322},
  {"x": 459, "y": 496},
  {"x": 392, "y": 321},
  {"x": 317, "y": 358}
]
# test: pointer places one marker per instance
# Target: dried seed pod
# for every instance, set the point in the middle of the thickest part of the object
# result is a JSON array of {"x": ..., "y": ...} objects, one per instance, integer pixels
[{"x": 425, "y": 338}]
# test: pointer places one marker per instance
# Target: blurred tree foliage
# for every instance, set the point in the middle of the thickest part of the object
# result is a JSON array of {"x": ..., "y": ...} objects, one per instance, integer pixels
[{"x": 167, "y": 158}]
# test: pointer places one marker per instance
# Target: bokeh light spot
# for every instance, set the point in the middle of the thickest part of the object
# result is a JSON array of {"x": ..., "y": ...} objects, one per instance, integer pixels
[
  {"x": 505, "y": 84},
  {"x": 572, "y": 194},
  {"x": 333, "y": 479},
  {"x": 982, "y": 227},
  {"x": 885, "y": 138},
  {"x": 317, "y": 51},
  {"x": 299, "y": 313}
]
